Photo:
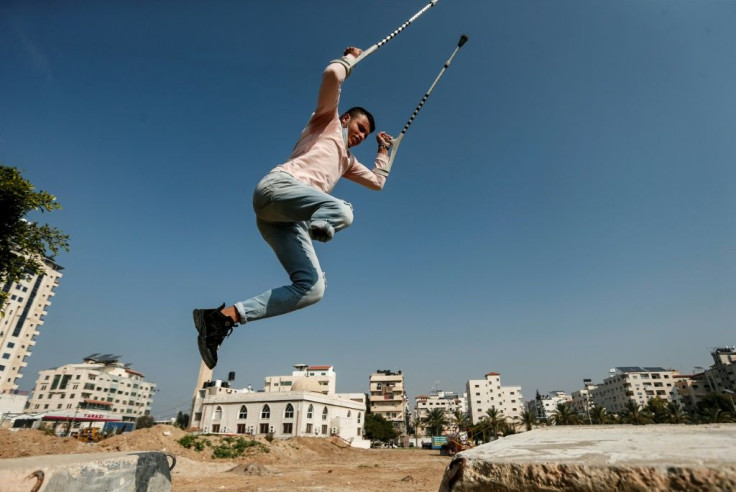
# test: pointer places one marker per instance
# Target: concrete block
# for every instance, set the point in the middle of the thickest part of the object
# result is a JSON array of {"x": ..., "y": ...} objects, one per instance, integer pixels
[
  {"x": 596, "y": 458},
  {"x": 100, "y": 472}
]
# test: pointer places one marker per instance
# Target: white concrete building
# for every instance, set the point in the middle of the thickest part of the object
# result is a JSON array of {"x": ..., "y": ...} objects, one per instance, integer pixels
[
  {"x": 24, "y": 315},
  {"x": 637, "y": 384},
  {"x": 448, "y": 401},
  {"x": 101, "y": 385},
  {"x": 388, "y": 398},
  {"x": 721, "y": 375},
  {"x": 582, "y": 400},
  {"x": 545, "y": 406},
  {"x": 304, "y": 410},
  {"x": 324, "y": 375},
  {"x": 484, "y": 394}
]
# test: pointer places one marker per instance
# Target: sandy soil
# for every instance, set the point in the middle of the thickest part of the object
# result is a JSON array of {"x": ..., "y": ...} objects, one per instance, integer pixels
[{"x": 299, "y": 464}]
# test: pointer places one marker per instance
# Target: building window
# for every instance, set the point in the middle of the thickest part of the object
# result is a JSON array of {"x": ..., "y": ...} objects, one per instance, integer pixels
[
  {"x": 6, "y": 355},
  {"x": 309, "y": 428},
  {"x": 215, "y": 428},
  {"x": 359, "y": 417},
  {"x": 289, "y": 412},
  {"x": 288, "y": 428},
  {"x": 263, "y": 428},
  {"x": 266, "y": 412},
  {"x": 243, "y": 414},
  {"x": 324, "y": 430},
  {"x": 324, "y": 416},
  {"x": 218, "y": 414},
  {"x": 310, "y": 411},
  {"x": 241, "y": 428}
]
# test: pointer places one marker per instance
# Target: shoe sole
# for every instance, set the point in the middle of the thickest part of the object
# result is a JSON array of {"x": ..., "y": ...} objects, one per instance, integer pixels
[{"x": 210, "y": 359}]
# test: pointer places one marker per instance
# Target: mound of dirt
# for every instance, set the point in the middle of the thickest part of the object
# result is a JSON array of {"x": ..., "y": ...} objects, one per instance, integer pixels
[
  {"x": 32, "y": 442},
  {"x": 27, "y": 442},
  {"x": 250, "y": 469}
]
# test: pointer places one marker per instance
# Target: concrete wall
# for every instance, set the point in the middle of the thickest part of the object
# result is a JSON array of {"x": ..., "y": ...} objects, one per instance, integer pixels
[{"x": 103, "y": 472}]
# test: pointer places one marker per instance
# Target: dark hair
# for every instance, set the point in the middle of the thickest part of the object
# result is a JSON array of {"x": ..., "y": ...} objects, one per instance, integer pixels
[{"x": 357, "y": 110}]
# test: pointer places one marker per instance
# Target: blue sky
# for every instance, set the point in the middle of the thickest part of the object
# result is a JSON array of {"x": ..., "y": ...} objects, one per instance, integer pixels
[{"x": 562, "y": 205}]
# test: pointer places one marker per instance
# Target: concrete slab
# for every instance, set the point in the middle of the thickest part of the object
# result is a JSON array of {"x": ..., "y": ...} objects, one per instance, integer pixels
[
  {"x": 595, "y": 458},
  {"x": 98, "y": 472}
]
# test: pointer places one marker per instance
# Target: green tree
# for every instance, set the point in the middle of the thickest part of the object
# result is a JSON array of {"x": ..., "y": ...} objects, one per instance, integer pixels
[
  {"x": 461, "y": 420},
  {"x": 528, "y": 419},
  {"x": 436, "y": 421},
  {"x": 714, "y": 415},
  {"x": 23, "y": 243},
  {"x": 712, "y": 400},
  {"x": 144, "y": 422},
  {"x": 657, "y": 408},
  {"x": 182, "y": 420},
  {"x": 676, "y": 414},
  {"x": 378, "y": 428},
  {"x": 633, "y": 413},
  {"x": 565, "y": 415},
  {"x": 495, "y": 422},
  {"x": 599, "y": 415}
]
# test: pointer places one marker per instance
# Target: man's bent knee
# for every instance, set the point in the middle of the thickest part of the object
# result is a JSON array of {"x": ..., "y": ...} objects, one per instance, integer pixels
[{"x": 315, "y": 292}]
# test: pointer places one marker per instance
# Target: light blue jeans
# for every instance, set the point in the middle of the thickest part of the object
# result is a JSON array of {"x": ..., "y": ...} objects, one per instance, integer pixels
[{"x": 289, "y": 215}]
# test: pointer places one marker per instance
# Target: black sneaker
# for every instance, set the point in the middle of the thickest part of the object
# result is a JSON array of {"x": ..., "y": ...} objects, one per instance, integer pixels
[{"x": 213, "y": 328}]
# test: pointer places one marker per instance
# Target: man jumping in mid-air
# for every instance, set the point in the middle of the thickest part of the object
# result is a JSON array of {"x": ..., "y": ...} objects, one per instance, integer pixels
[{"x": 293, "y": 207}]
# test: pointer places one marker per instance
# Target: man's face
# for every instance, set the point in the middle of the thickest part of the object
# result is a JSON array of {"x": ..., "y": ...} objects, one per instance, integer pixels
[{"x": 358, "y": 128}]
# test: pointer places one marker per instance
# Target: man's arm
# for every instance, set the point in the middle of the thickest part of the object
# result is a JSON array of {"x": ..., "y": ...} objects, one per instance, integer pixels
[
  {"x": 332, "y": 78},
  {"x": 374, "y": 179}
]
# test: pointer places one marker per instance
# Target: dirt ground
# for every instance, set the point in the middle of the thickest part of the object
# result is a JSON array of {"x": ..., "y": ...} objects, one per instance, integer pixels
[{"x": 298, "y": 464}]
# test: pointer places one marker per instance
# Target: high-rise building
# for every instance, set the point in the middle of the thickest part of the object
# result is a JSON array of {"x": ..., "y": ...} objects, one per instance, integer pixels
[
  {"x": 24, "y": 310},
  {"x": 582, "y": 401},
  {"x": 101, "y": 385},
  {"x": 544, "y": 407},
  {"x": 448, "y": 401},
  {"x": 636, "y": 384},
  {"x": 388, "y": 398},
  {"x": 485, "y": 394},
  {"x": 722, "y": 374}
]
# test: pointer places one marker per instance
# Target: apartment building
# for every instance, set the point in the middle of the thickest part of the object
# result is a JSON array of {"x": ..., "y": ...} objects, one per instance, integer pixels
[
  {"x": 484, "y": 394},
  {"x": 100, "y": 388},
  {"x": 324, "y": 375},
  {"x": 637, "y": 384},
  {"x": 449, "y": 401},
  {"x": 722, "y": 374},
  {"x": 25, "y": 311},
  {"x": 545, "y": 406},
  {"x": 582, "y": 400},
  {"x": 388, "y": 399},
  {"x": 298, "y": 409}
]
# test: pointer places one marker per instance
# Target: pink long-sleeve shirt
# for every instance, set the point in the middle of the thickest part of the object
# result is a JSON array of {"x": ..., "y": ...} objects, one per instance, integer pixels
[{"x": 321, "y": 157}]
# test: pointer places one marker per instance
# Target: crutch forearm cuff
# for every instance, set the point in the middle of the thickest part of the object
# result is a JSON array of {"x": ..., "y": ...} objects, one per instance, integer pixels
[
  {"x": 346, "y": 62},
  {"x": 383, "y": 172}
]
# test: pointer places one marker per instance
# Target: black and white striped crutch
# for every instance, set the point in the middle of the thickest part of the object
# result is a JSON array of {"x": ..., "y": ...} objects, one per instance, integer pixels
[
  {"x": 388, "y": 38},
  {"x": 396, "y": 141}
]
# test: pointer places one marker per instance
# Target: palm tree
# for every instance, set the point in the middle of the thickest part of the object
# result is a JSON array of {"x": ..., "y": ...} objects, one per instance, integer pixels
[
  {"x": 714, "y": 415},
  {"x": 565, "y": 415},
  {"x": 635, "y": 414},
  {"x": 494, "y": 421},
  {"x": 436, "y": 421},
  {"x": 461, "y": 420},
  {"x": 676, "y": 414},
  {"x": 528, "y": 419},
  {"x": 599, "y": 415},
  {"x": 657, "y": 408}
]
